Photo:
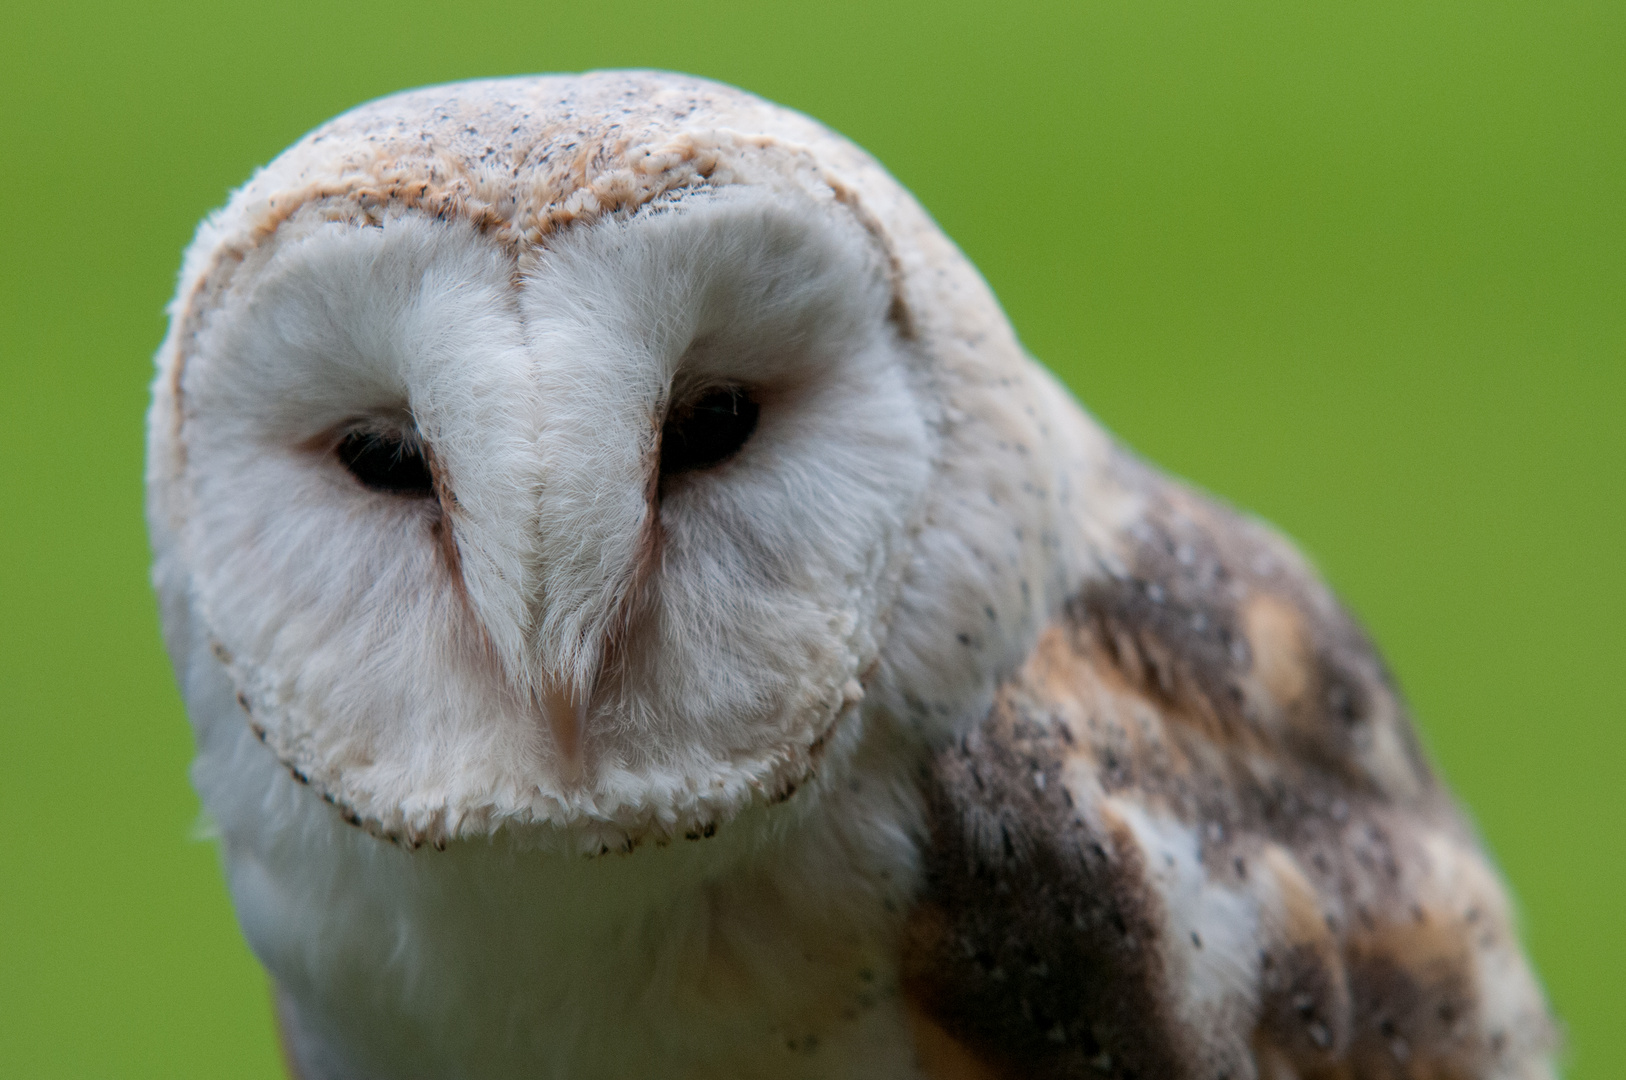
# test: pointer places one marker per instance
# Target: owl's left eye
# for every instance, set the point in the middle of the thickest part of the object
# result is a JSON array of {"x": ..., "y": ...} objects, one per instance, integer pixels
[
  {"x": 708, "y": 430},
  {"x": 386, "y": 463}
]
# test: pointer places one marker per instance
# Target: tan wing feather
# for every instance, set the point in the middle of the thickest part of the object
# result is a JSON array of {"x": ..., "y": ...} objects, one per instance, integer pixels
[{"x": 1196, "y": 837}]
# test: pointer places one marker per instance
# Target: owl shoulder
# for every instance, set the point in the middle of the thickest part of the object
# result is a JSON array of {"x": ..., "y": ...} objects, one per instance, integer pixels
[{"x": 1196, "y": 837}]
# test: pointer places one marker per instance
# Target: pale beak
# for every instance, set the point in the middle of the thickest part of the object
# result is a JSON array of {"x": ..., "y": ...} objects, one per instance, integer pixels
[{"x": 564, "y": 708}]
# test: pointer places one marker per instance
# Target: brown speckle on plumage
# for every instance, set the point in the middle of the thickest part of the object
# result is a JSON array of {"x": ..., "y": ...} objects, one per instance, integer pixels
[{"x": 1217, "y": 688}]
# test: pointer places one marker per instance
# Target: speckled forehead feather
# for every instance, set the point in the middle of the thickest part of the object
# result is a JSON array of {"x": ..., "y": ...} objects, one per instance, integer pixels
[{"x": 523, "y": 157}]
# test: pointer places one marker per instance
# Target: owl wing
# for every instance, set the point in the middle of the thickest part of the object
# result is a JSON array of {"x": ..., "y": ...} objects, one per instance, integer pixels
[{"x": 1196, "y": 837}]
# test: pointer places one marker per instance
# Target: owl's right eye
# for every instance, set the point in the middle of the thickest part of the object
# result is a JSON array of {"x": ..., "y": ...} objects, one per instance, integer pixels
[{"x": 386, "y": 463}]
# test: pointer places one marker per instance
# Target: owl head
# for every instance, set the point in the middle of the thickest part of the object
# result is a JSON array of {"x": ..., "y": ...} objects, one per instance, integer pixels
[{"x": 593, "y": 459}]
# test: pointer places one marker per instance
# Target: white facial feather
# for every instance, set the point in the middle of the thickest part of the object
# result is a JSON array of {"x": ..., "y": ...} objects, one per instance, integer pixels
[{"x": 717, "y": 626}]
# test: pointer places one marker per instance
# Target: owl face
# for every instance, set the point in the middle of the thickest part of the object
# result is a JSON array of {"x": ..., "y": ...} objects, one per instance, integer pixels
[
  {"x": 599, "y": 533},
  {"x": 529, "y": 460}
]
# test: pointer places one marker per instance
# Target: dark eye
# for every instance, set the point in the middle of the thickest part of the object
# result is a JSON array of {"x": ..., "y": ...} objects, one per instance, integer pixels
[
  {"x": 386, "y": 463},
  {"x": 707, "y": 431}
]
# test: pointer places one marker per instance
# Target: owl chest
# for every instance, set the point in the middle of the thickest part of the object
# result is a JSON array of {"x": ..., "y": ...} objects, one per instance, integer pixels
[{"x": 488, "y": 962}]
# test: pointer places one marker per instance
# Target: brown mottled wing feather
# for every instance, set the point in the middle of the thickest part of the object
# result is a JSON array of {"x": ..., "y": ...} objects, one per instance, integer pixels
[{"x": 1196, "y": 837}]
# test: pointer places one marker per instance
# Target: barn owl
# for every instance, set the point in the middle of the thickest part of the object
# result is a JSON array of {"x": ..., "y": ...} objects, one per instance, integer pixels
[{"x": 643, "y": 615}]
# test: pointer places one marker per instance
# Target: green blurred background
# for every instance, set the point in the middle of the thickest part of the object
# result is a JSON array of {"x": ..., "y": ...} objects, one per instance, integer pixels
[{"x": 1361, "y": 268}]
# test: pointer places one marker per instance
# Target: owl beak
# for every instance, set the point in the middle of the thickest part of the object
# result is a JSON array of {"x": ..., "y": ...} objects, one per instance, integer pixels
[{"x": 564, "y": 708}]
